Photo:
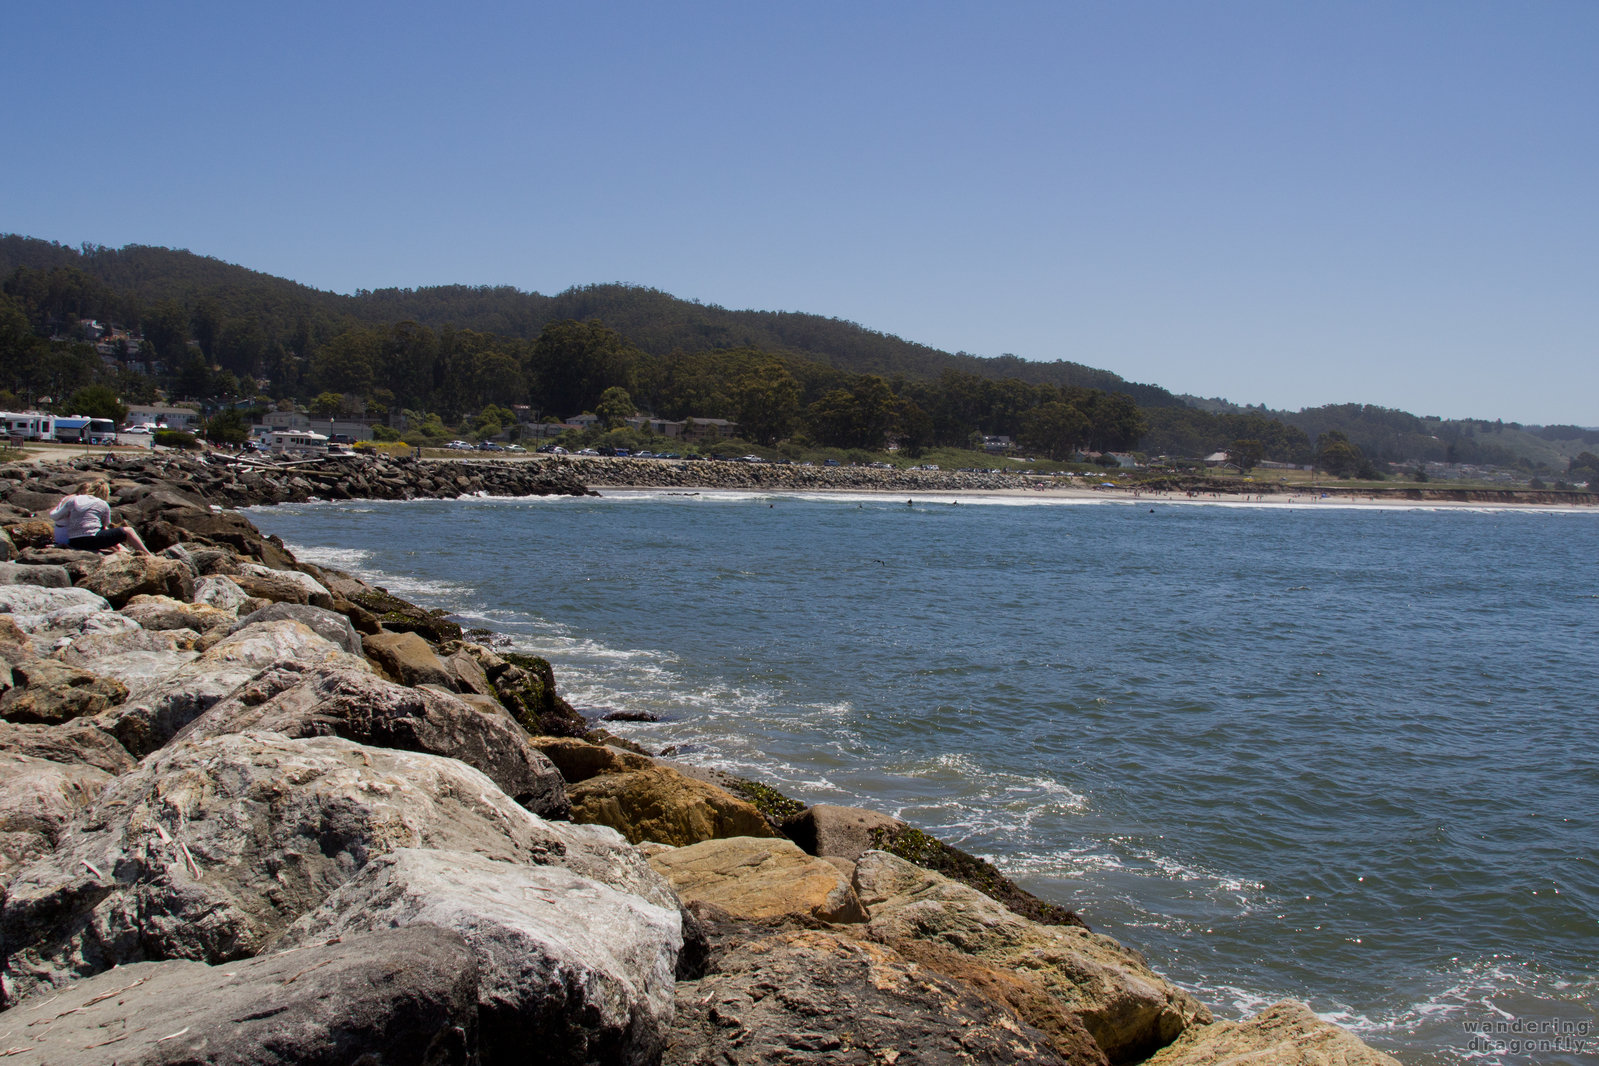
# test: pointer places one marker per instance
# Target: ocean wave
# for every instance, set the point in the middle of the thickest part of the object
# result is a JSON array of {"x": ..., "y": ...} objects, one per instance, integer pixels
[{"x": 350, "y": 560}]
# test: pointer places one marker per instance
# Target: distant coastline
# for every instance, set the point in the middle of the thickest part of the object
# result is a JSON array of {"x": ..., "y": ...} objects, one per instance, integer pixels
[{"x": 625, "y": 473}]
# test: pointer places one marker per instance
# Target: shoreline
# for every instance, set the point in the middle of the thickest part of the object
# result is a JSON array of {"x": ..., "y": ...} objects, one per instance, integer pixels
[{"x": 892, "y": 870}]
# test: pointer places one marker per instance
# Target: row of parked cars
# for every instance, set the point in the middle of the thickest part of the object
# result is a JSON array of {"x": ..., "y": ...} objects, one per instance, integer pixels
[{"x": 484, "y": 446}]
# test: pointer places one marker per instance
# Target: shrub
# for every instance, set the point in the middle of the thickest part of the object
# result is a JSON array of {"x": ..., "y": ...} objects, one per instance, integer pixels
[{"x": 174, "y": 438}]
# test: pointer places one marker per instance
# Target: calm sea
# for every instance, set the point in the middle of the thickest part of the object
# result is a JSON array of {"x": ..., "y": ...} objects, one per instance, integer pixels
[{"x": 1344, "y": 755}]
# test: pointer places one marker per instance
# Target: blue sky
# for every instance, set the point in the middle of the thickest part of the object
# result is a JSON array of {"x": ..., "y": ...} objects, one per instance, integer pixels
[{"x": 1281, "y": 203}]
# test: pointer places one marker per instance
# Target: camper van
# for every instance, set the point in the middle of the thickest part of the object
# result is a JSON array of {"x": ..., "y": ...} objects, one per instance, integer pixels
[
  {"x": 26, "y": 425},
  {"x": 296, "y": 441}
]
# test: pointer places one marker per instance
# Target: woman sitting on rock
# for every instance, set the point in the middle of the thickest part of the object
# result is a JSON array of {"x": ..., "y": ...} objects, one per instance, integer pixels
[{"x": 87, "y": 517}]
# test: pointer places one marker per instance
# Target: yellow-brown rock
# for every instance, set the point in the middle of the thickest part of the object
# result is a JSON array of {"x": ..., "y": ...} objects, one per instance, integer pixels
[
  {"x": 759, "y": 878},
  {"x": 579, "y": 760},
  {"x": 663, "y": 805},
  {"x": 1128, "y": 1009},
  {"x": 1285, "y": 1034}
]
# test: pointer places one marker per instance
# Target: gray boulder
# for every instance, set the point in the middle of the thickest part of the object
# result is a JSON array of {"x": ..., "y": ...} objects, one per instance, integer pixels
[
  {"x": 53, "y": 577},
  {"x": 398, "y": 996},
  {"x": 208, "y": 850},
  {"x": 38, "y": 798},
  {"x": 567, "y": 965},
  {"x": 142, "y": 659},
  {"x": 146, "y": 722},
  {"x": 301, "y": 701},
  {"x": 326, "y": 624},
  {"x": 219, "y": 591},
  {"x": 30, "y": 601},
  {"x": 77, "y": 743},
  {"x": 52, "y": 615},
  {"x": 838, "y": 832}
]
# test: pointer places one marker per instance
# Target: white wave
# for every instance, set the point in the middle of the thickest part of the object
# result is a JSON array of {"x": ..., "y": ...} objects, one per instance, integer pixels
[{"x": 350, "y": 560}]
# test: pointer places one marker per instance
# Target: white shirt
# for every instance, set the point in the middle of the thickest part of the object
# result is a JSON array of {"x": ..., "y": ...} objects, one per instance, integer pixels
[{"x": 82, "y": 516}]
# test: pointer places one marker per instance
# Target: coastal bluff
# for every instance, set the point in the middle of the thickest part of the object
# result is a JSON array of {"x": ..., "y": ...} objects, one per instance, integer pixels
[{"x": 255, "y": 810}]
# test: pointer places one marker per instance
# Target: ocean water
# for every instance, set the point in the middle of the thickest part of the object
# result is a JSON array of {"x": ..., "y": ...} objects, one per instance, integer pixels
[{"x": 1346, "y": 755}]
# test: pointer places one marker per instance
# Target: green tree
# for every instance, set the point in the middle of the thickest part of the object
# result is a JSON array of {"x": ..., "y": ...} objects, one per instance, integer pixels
[
  {"x": 326, "y": 405},
  {"x": 615, "y": 407},
  {"x": 1247, "y": 453},
  {"x": 1336, "y": 455},
  {"x": 1056, "y": 429},
  {"x": 97, "y": 401},
  {"x": 227, "y": 427},
  {"x": 766, "y": 403},
  {"x": 574, "y": 362}
]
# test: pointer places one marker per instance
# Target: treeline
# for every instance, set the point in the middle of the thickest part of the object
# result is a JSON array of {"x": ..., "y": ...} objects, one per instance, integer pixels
[
  {"x": 128, "y": 281},
  {"x": 211, "y": 330}
]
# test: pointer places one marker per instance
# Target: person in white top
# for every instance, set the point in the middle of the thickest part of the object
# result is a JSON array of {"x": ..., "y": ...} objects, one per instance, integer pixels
[{"x": 86, "y": 517}]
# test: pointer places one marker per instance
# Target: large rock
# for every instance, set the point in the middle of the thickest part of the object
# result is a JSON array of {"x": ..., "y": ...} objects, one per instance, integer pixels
[
  {"x": 526, "y": 685},
  {"x": 1029, "y": 999},
  {"x": 29, "y": 601},
  {"x": 38, "y": 798},
  {"x": 326, "y": 624},
  {"x": 49, "y": 691},
  {"x": 124, "y": 575},
  {"x": 218, "y": 590},
  {"x": 759, "y": 878},
  {"x": 399, "y": 616},
  {"x": 164, "y": 612},
  {"x": 209, "y": 850},
  {"x": 33, "y": 533},
  {"x": 567, "y": 965},
  {"x": 52, "y": 615},
  {"x": 300, "y": 701},
  {"x": 395, "y": 996},
  {"x": 1129, "y": 1009},
  {"x": 1285, "y": 1034},
  {"x": 810, "y": 996},
  {"x": 148, "y": 721},
  {"x": 78, "y": 743},
  {"x": 665, "y": 806},
  {"x": 53, "y": 577},
  {"x": 282, "y": 586},
  {"x": 141, "y": 659},
  {"x": 408, "y": 659},
  {"x": 838, "y": 832},
  {"x": 579, "y": 760}
]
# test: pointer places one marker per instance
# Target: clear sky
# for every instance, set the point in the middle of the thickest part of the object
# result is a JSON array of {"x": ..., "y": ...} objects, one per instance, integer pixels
[{"x": 1278, "y": 202}]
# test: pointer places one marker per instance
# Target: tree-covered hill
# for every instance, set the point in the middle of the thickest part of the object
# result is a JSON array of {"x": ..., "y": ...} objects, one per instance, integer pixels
[
  {"x": 655, "y": 322},
  {"x": 199, "y": 328}
]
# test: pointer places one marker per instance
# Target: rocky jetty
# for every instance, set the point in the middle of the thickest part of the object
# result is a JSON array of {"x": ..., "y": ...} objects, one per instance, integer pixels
[{"x": 253, "y": 810}]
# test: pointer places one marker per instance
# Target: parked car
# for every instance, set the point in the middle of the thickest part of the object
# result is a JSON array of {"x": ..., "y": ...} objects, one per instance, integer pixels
[
  {"x": 459, "y": 446},
  {"x": 515, "y": 448},
  {"x": 490, "y": 446},
  {"x": 551, "y": 449}
]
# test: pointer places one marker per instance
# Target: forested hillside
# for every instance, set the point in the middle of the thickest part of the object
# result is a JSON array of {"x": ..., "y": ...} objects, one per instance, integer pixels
[{"x": 198, "y": 328}]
